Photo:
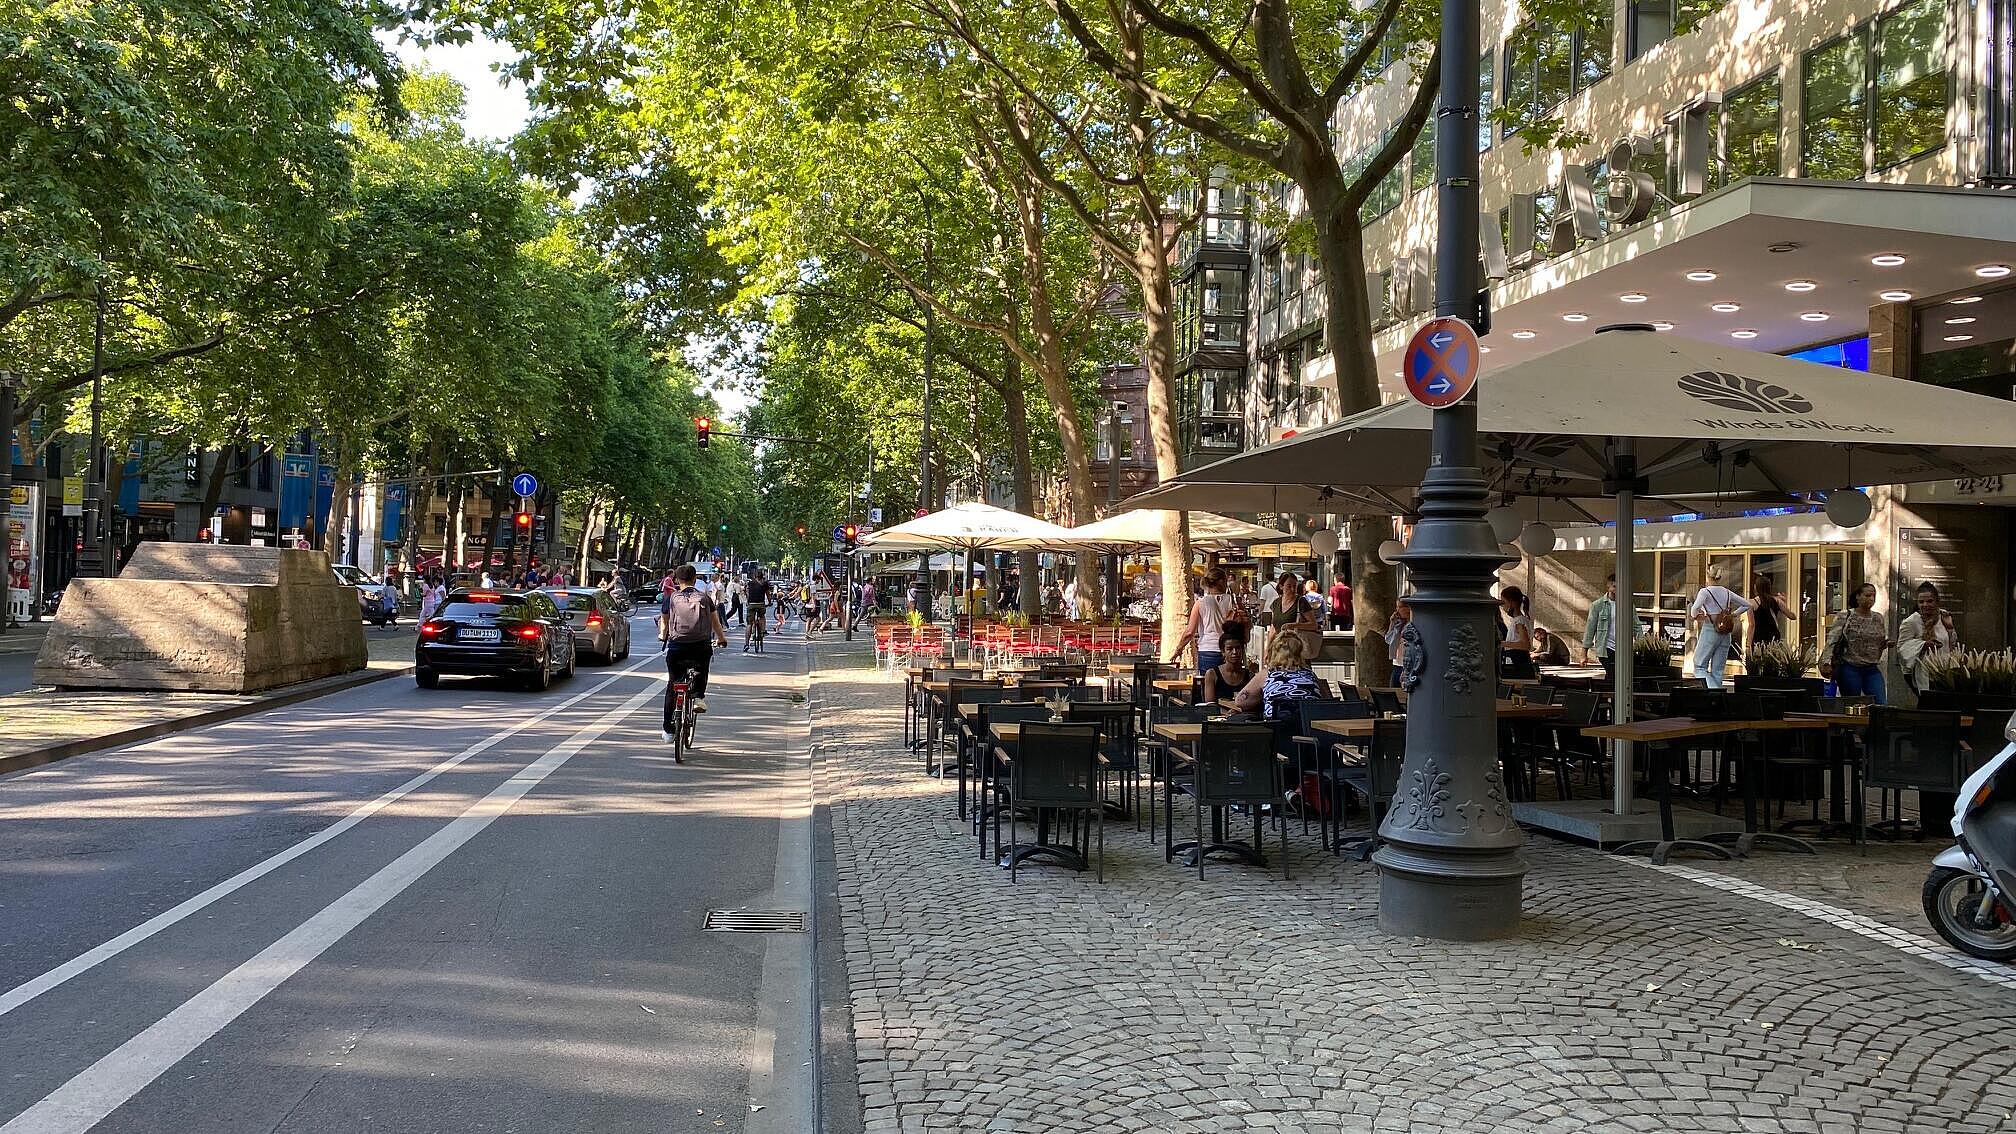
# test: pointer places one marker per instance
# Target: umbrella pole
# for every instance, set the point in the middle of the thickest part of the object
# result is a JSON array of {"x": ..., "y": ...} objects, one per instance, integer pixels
[{"x": 1624, "y": 617}]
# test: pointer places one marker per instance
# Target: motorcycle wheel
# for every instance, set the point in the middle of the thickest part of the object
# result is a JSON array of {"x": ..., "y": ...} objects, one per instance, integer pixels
[{"x": 1950, "y": 898}]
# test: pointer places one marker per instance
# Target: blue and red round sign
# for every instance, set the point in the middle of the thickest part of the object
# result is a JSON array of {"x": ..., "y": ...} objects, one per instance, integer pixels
[{"x": 1440, "y": 366}]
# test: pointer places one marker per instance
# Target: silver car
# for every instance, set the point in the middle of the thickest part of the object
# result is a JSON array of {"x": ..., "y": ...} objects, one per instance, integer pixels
[
  {"x": 601, "y": 631},
  {"x": 376, "y": 602}
]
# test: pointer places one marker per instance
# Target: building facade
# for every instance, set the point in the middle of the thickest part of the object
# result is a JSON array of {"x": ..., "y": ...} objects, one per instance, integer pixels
[{"x": 1828, "y": 179}]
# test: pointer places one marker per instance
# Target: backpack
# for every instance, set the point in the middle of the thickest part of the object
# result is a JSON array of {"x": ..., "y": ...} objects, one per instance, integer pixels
[
  {"x": 1723, "y": 620},
  {"x": 685, "y": 616}
]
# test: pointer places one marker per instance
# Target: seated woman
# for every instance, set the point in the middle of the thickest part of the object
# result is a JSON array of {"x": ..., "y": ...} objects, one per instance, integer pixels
[
  {"x": 1233, "y": 670},
  {"x": 1288, "y": 678}
]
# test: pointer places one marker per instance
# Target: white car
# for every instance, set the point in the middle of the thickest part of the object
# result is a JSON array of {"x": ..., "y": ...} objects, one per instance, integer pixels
[{"x": 377, "y": 602}]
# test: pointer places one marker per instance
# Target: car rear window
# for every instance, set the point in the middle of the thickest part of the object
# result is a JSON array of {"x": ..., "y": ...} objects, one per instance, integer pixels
[
  {"x": 580, "y": 602},
  {"x": 462, "y": 606}
]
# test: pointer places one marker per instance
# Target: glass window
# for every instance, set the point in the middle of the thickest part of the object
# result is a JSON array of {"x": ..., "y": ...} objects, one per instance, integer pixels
[
  {"x": 1423, "y": 159},
  {"x": 1750, "y": 120},
  {"x": 1911, "y": 87},
  {"x": 1544, "y": 64},
  {"x": 1484, "y": 103},
  {"x": 1832, "y": 116},
  {"x": 1656, "y": 21}
]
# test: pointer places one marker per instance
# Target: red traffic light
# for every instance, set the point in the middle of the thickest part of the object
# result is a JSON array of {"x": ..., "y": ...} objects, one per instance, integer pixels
[
  {"x": 523, "y": 520},
  {"x": 852, "y": 532},
  {"x": 701, "y": 428},
  {"x": 801, "y": 529}
]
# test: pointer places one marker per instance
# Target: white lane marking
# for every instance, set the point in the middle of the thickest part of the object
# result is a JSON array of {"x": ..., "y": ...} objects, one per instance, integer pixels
[
  {"x": 23, "y": 993},
  {"x": 106, "y": 1085},
  {"x": 1903, "y": 941}
]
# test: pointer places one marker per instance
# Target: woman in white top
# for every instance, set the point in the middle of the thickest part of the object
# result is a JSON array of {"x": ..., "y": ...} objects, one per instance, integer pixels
[
  {"x": 1515, "y": 652},
  {"x": 1927, "y": 634},
  {"x": 1716, "y": 610},
  {"x": 1207, "y": 623}
]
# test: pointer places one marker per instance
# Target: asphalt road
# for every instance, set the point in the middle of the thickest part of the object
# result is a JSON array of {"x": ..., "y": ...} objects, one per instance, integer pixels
[
  {"x": 471, "y": 909},
  {"x": 16, "y": 669}
]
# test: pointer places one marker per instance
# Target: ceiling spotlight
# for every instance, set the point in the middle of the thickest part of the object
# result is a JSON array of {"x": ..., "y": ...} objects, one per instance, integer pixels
[
  {"x": 1801, "y": 285},
  {"x": 1484, "y": 349},
  {"x": 1961, "y": 321},
  {"x": 1524, "y": 334},
  {"x": 1966, "y": 299},
  {"x": 1662, "y": 325},
  {"x": 1814, "y": 316},
  {"x": 1701, "y": 275},
  {"x": 1742, "y": 334},
  {"x": 1725, "y": 307},
  {"x": 1633, "y": 297},
  {"x": 1886, "y": 260},
  {"x": 1894, "y": 296},
  {"x": 1959, "y": 338},
  {"x": 1575, "y": 317},
  {"x": 1992, "y": 271}
]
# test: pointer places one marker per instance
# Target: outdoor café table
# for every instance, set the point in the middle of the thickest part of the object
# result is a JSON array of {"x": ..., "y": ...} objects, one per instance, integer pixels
[{"x": 1667, "y": 730}]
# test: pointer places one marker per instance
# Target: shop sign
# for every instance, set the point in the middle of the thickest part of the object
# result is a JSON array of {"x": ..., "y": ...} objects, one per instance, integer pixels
[
  {"x": 1630, "y": 195},
  {"x": 73, "y": 495},
  {"x": 1963, "y": 490}
]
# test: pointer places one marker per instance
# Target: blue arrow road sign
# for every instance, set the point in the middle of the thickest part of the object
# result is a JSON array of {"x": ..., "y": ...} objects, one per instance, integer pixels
[
  {"x": 525, "y": 484},
  {"x": 839, "y": 532},
  {"x": 1440, "y": 365}
]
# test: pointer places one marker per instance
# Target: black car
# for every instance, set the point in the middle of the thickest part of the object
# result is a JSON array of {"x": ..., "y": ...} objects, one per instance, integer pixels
[{"x": 495, "y": 633}]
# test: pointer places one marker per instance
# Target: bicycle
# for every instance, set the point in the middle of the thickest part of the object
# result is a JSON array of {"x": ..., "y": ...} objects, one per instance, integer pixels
[
  {"x": 754, "y": 630},
  {"x": 683, "y": 717}
]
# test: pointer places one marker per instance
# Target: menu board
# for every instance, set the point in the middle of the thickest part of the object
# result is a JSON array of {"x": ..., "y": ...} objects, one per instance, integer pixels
[{"x": 1928, "y": 555}]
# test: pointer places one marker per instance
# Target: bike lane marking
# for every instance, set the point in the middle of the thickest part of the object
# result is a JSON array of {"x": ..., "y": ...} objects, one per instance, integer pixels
[
  {"x": 84, "y": 962},
  {"x": 94, "y": 1093},
  {"x": 1901, "y": 940}
]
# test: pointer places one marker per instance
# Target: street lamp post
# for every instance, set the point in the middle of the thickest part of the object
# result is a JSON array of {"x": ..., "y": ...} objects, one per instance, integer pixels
[
  {"x": 1113, "y": 424},
  {"x": 6, "y": 491},
  {"x": 1450, "y": 867}
]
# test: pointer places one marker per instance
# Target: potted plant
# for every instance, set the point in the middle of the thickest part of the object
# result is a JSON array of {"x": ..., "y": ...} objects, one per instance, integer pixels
[
  {"x": 1782, "y": 660},
  {"x": 1970, "y": 679},
  {"x": 1652, "y": 656}
]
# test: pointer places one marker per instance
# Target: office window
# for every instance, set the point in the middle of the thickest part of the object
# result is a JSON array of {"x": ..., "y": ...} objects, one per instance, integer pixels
[
  {"x": 1911, "y": 87},
  {"x": 1546, "y": 64},
  {"x": 1656, "y": 21},
  {"x": 1423, "y": 159},
  {"x": 1833, "y": 109},
  {"x": 1484, "y": 103},
  {"x": 1750, "y": 119}
]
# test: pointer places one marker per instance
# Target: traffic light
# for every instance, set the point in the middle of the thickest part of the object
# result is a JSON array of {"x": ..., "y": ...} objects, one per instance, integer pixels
[
  {"x": 701, "y": 427},
  {"x": 851, "y": 532},
  {"x": 539, "y": 528},
  {"x": 522, "y": 523},
  {"x": 724, "y": 529},
  {"x": 801, "y": 531}
]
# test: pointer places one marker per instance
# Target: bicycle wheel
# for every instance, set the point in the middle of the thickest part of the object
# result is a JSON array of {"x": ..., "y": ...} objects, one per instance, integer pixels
[{"x": 681, "y": 735}]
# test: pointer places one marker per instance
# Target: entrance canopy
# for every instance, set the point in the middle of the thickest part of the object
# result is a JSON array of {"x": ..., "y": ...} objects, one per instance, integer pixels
[
  {"x": 1394, "y": 500},
  {"x": 1707, "y": 419},
  {"x": 1135, "y": 529}
]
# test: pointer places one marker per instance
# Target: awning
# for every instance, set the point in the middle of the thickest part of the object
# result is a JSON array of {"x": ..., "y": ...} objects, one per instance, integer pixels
[
  {"x": 967, "y": 527},
  {"x": 1135, "y": 529}
]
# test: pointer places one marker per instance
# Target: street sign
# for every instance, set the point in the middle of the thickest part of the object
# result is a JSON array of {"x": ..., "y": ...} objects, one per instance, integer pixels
[
  {"x": 875, "y": 515},
  {"x": 525, "y": 484},
  {"x": 1440, "y": 366},
  {"x": 839, "y": 533}
]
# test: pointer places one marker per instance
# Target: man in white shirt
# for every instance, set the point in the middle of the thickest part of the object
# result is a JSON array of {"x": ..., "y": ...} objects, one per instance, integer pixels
[{"x": 1268, "y": 594}]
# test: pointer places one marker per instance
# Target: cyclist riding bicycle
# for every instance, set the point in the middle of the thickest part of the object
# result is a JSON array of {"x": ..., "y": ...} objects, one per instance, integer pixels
[
  {"x": 754, "y": 625},
  {"x": 687, "y": 621}
]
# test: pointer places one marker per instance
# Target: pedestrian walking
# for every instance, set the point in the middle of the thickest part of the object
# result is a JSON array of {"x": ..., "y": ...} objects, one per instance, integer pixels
[
  {"x": 1599, "y": 631},
  {"x": 1926, "y": 635},
  {"x": 1340, "y": 604},
  {"x": 1714, "y": 611},
  {"x": 1515, "y": 650},
  {"x": 1855, "y": 648}
]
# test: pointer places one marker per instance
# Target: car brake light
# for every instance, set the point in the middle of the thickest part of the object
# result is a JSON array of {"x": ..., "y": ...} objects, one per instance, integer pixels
[
  {"x": 482, "y": 596},
  {"x": 430, "y": 629},
  {"x": 528, "y": 631},
  {"x": 594, "y": 620}
]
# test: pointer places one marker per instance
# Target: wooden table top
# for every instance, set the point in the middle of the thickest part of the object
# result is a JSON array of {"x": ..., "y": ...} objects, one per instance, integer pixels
[
  {"x": 1355, "y": 726},
  {"x": 1181, "y": 732},
  {"x": 1683, "y": 728}
]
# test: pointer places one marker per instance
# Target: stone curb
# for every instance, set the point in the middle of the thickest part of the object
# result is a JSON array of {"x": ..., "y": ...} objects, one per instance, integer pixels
[{"x": 305, "y": 691}]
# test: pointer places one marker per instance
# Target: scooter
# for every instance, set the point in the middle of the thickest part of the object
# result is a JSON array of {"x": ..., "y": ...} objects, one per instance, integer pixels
[{"x": 1970, "y": 896}]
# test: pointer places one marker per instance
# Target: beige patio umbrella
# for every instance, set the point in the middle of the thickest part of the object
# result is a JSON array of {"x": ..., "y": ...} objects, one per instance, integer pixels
[
  {"x": 1137, "y": 529},
  {"x": 969, "y": 527}
]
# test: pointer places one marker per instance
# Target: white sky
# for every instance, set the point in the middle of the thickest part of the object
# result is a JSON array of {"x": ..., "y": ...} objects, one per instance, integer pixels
[{"x": 494, "y": 111}]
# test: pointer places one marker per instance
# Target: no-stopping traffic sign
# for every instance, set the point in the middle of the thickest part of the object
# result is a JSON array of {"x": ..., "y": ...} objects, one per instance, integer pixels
[{"x": 1441, "y": 362}]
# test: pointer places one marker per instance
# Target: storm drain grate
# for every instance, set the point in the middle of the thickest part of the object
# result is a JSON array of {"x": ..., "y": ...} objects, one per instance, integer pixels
[{"x": 755, "y": 921}]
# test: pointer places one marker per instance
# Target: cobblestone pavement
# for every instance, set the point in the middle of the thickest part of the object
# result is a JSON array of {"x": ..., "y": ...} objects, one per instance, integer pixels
[{"x": 1635, "y": 1000}]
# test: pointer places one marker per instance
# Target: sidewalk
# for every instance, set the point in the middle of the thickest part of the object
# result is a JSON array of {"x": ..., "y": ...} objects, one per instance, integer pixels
[
  {"x": 40, "y": 725},
  {"x": 1636, "y": 999}
]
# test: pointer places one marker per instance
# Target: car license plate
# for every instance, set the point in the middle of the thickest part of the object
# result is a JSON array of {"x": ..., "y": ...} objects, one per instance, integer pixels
[{"x": 473, "y": 635}]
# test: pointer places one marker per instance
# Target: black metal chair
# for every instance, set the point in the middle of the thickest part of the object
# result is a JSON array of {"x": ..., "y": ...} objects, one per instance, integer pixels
[
  {"x": 1156, "y": 753},
  {"x": 946, "y": 720},
  {"x": 990, "y": 785},
  {"x": 1309, "y": 749},
  {"x": 1386, "y": 701},
  {"x": 1055, "y": 768},
  {"x": 1579, "y": 710},
  {"x": 1236, "y": 766},
  {"x": 1071, "y": 673},
  {"x": 1909, "y": 750},
  {"x": 1377, "y": 779},
  {"x": 1119, "y": 742}
]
